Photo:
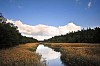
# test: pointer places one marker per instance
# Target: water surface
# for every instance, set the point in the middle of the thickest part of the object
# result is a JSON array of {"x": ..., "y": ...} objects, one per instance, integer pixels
[{"x": 49, "y": 56}]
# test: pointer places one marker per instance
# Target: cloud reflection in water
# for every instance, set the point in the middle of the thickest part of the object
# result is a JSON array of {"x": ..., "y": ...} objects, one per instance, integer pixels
[{"x": 47, "y": 53}]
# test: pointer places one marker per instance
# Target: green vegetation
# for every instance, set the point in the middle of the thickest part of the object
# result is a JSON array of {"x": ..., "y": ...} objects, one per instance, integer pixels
[
  {"x": 83, "y": 36},
  {"x": 74, "y": 53},
  {"x": 10, "y": 36},
  {"x": 78, "y": 54}
]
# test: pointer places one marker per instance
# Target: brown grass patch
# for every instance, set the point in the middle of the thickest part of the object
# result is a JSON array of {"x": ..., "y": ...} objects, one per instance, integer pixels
[
  {"x": 78, "y": 54},
  {"x": 20, "y": 56}
]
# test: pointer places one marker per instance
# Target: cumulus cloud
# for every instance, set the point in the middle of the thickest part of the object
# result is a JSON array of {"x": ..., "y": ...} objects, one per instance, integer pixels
[
  {"x": 41, "y": 31},
  {"x": 89, "y": 4}
]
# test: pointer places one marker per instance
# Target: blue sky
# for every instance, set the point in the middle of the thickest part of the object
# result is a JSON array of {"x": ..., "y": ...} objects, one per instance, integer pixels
[
  {"x": 56, "y": 16},
  {"x": 52, "y": 12}
]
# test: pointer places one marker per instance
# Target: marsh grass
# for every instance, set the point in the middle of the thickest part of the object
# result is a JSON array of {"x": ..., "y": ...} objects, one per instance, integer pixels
[
  {"x": 81, "y": 56},
  {"x": 20, "y": 56},
  {"x": 78, "y": 54}
]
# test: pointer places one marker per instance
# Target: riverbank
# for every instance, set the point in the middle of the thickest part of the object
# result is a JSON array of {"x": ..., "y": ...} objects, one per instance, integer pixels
[
  {"x": 72, "y": 54},
  {"x": 22, "y": 55},
  {"x": 78, "y": 54}
]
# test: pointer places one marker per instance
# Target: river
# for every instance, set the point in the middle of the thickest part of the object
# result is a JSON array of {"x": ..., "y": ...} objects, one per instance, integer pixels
[{"x": 48, "y": 56}]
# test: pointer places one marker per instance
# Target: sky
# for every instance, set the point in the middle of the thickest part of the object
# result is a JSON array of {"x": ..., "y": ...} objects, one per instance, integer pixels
[{"x": 43, "y": 19}]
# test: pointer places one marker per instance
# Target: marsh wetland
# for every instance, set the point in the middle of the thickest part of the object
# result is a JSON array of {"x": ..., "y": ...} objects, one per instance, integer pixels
[
  {"x": 51, "y": 54},
  {"x": 77, "y": 54}
]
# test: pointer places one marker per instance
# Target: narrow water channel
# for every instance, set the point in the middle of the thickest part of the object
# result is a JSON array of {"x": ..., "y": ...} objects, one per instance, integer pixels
[{"x": 48, "y": 56}]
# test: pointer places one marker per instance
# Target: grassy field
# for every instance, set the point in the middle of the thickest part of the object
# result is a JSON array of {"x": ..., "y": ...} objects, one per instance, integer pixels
[
  {"x": 72, "y": 54},
  {"x": 78, "y": 54},
  {"x": 22, "y": 55}
]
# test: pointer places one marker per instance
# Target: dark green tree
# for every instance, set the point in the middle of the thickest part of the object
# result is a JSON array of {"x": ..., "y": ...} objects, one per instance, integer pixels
[{"x": 84, "y": 36}]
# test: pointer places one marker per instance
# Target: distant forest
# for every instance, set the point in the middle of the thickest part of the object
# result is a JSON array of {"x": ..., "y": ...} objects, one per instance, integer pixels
[
  {"x": 10, "y": 36},
  {"x": 84, "y": 36}
]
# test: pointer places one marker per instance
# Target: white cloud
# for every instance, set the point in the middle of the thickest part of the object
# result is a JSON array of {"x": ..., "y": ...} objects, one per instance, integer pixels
[
  {"x": 89, "y": 4},
  {"x": 41, "y": 31}
]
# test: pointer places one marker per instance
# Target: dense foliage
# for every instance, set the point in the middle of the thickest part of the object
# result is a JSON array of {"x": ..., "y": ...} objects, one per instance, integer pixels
[
  {"x": 83, "y": 36},
  {"x": 10, "y": 36}
]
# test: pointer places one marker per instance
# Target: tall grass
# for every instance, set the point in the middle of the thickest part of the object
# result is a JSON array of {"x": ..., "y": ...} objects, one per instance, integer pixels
[
  {"x": 20, "y": 56},
  {"x": 78, "y": 54}
]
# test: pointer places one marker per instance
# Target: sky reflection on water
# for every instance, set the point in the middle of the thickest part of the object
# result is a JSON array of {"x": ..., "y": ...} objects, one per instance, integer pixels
[{"x": 52, "y": 57}]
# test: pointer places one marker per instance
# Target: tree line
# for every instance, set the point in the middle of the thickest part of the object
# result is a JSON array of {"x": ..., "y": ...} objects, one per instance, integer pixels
[
  {"x": 83, "y": 36},
  {"x": 10, "y": 36}
]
